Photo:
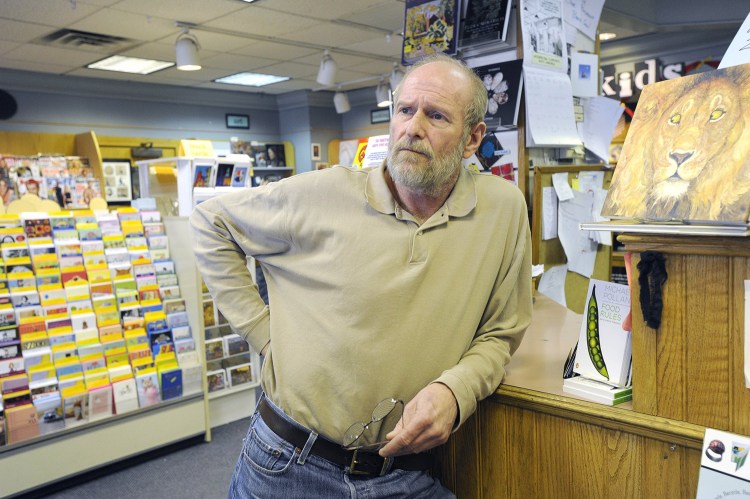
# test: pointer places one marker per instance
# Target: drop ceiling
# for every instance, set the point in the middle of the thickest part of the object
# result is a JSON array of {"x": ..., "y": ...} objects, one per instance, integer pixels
[{"x": 280, "y": 37}]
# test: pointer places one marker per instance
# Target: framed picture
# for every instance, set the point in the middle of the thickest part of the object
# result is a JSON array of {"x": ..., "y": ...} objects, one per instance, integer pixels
[
  {"x": 238, "y": 121},
  {"x": 315, "y": 151},
  {"x": 118, "y": 185},
  {"x": 380, "y": 116}
]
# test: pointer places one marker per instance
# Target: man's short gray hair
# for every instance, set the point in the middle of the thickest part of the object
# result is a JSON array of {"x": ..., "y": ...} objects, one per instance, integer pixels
[{"x": 477, "y": 105}]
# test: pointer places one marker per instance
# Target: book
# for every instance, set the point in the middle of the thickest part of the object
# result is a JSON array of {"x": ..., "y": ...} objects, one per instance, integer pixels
[
  {"x": 504, "y": 84},
  {"x": 671, "y": 167},
  {"x": 604, "y": 347},
  {"x": 240, "y": 375},
  {"x": 214, "y": 349},
  {"x": 240, "y": 176},
  {"x": 125, "y": 395},
  {"x": 203, "y": 175},
  {"x": 147, "y": 383},
  {"x": 21, "y": 423},
  {"x": 485, "y": 22},
  {"x": 597, "y": 391},
  {"x": 75, "y": 400},
  {"x": 100, "y": 401},
  {"x": 429, "y": 27},
  {"x": 171, "y": 382},
  {"x": 217, "y": 380},
  {"x": 49, "y": 413}
]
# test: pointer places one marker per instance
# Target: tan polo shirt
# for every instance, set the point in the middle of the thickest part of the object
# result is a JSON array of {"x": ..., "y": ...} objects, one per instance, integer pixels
[{"x": 365, "y": 304}]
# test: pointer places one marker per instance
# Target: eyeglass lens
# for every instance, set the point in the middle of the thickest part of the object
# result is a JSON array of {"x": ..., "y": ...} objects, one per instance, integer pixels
[{"x": 381, "y": 411}]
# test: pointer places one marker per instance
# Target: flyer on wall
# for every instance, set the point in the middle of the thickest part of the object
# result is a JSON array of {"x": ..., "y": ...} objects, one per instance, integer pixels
[{"x": 543, "y": 35}]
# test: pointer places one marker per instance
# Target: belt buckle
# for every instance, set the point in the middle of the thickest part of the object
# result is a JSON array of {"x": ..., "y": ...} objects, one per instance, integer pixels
[{"x": 352, "y": 468}]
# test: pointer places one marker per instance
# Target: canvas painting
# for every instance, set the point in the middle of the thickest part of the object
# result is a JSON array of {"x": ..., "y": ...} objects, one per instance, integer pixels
[{"x": 685, "y": 157}]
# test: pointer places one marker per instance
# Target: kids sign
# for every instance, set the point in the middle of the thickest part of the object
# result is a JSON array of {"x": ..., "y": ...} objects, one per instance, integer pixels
[{"x": 628, "y": 84}]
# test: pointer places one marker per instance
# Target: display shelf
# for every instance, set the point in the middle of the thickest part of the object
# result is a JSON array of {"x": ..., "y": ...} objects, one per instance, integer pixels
[
  {"x": 234, "y": 404},
  {"x": 228, "y": 392},
  {"x": 57, "y": 456}
]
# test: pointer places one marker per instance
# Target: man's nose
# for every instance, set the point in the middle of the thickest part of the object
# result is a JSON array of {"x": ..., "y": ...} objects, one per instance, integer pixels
[{"x": 417, "y": 125}]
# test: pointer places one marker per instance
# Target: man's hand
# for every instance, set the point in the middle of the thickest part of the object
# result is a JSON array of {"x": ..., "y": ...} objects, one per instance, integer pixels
[{"x": 427, "y": 422}]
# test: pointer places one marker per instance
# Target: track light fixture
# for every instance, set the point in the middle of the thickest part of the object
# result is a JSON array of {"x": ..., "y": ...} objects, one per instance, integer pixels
[
  {"x": 341, "y": 102},
  {"x": 382, "y": 95},
  {"x": 327, "y": 71},
  {"x": 186, "y": 52}
]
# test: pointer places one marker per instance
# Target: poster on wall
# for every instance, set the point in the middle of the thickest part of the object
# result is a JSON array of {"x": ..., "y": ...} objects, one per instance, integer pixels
[
  {"x": 504, "y": 83},
  {"x": 116, "y": 175},
  {"x": 430, "y": 26},
  {"x": 484, "y": 21}
]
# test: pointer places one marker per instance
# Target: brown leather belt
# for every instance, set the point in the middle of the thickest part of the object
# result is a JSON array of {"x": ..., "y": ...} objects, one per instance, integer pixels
[{"x": 354, "y": 462}]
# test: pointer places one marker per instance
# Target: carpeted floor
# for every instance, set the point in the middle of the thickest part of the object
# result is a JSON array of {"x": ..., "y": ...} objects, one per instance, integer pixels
[{"x": 192, "y": 469}]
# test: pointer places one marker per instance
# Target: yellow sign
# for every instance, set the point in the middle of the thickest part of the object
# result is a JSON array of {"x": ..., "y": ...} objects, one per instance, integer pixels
[{"x": 196, "y": 148}]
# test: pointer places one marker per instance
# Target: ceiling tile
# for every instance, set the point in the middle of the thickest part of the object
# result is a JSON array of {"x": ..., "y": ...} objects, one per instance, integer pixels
[
  {"x": 192, "y": 11},
  {"x": 276, "y": 50},
  {"x": 384, "y": 16},
  {"x": 119, "y": 23},
  {"x": 321, "y": 9},
  {"x": 35, "y": 66},
  {"x": 52, "y": 55},
  {"x": 58, "y": 13},
  {"x": 291, "y": 69},
  {"x": 259, "y": 22},
  {"x": 380, "y": 46},
  {"x": 328, "y": 35},
  {"x": 232, "y": 63},
  {"x": 22, "y": 31}
]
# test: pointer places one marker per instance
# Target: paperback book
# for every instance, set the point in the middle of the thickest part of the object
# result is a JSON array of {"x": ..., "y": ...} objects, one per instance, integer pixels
[
  {"x": 597, "y": 391},
  {"x": 604, "y": 347}
]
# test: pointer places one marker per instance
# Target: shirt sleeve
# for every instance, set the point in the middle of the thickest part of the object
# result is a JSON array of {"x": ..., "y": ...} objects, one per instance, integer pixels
[
  {"x": 227, "y": 230},
  {"x": 506, "y": 318}
]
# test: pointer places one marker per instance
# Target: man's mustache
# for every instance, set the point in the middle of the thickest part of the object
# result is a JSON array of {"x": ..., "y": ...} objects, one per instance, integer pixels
[{"x": 414, "y": 145}]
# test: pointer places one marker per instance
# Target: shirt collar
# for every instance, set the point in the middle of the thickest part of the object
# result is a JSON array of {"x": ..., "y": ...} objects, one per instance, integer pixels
[{"x": 461, "y": 201}]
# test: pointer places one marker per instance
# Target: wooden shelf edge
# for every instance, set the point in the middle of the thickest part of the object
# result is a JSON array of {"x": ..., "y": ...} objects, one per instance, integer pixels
[{"x": 614, "y": 418}]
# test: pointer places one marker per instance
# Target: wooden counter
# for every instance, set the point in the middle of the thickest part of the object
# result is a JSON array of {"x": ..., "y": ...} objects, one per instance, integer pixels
[{"x": 532, "y": 440}]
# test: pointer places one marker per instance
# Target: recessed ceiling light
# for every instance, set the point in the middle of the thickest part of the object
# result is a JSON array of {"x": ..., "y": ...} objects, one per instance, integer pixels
[
  {"x": 251, "y": 79},
  {"x": 123, "y": 64},
  {"x": 607, "y": 36}
]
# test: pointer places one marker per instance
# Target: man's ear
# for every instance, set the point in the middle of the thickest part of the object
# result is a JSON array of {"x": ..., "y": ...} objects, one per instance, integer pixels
[{"x": 475, "y": 138}]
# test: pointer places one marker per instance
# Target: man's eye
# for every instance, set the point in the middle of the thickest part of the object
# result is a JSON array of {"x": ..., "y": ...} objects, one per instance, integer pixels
[{"x": 437, "y": 116}]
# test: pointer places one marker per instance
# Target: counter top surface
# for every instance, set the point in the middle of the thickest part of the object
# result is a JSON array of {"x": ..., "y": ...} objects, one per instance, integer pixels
[{"x": 538, "y": 363}]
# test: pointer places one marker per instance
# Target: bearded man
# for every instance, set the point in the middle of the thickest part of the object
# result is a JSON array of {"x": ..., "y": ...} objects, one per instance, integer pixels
[{"x": 396, "y": 297}]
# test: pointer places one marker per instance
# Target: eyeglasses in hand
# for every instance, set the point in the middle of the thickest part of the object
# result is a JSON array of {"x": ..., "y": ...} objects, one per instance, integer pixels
[{"x": 384, "y": 409}]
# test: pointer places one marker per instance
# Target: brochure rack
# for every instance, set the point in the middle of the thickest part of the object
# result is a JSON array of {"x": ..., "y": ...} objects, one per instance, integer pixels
[
  {"x": 232, "y": 403},
  {"x": 97, "y": 444}
]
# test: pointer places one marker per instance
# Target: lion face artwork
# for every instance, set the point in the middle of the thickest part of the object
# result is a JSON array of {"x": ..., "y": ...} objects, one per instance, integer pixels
[{"x": 688, "y": 160}]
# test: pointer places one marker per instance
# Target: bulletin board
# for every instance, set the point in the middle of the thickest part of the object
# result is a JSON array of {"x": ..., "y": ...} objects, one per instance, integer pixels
[{"x": 550, "y": 252}]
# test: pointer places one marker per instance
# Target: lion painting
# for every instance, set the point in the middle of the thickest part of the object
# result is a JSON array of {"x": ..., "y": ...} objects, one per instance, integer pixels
[{"x": 688, "y": 156}]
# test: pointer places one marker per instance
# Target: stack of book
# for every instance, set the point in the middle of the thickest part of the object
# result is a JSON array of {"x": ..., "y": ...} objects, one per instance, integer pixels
[
  {"x": 90, "y": 318},
  {"x": 602, "y": 359}
]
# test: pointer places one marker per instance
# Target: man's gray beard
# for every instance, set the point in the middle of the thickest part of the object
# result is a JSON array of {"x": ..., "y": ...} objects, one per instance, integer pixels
[{"x": 432, "y": 180}]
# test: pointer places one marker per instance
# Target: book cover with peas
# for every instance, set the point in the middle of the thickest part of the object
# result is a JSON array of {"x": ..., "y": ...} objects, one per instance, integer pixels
[{"x": 604, "y": 347}]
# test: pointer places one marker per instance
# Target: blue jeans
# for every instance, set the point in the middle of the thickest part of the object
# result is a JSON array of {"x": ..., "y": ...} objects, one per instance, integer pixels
[{"x": 269, "y": 467}]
